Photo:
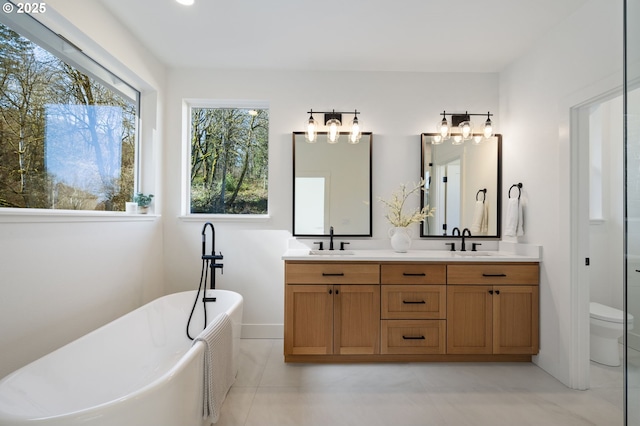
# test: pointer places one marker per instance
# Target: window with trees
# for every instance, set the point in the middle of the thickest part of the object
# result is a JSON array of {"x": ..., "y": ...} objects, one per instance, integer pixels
[
  {"x": 229, "y": 160},
  {"x": 68, "y": 127}
]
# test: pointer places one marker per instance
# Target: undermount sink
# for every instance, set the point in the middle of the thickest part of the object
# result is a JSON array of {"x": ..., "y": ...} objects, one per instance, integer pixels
[
  {"x": 330, "y": 252},
  {"x": 476, "y": 253}
]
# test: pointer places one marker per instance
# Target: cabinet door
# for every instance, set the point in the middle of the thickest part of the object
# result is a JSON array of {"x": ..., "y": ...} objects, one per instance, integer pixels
[
  {"x": 469, "y": 319},
  {"x": 515, "y": 319},
  {"x": 308, "y": 320},
  {"x": 356, "y": 319}
]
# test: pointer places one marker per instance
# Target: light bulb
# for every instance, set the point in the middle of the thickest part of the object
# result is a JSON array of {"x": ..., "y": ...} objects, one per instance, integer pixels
[
  {"x": 444, "y": 128},
  {"x": 436, "y": 140},
  {"x": 354, "y": 137},
  {"x": 465, "y": 129},
  {"x": 477, "y": 139},
  {"x": 488, "y": 128},
  {"x": 457, "y": 139},
  {"x": 185, "y": 2},
  {"x": 333, "y": 130},
  {"x": 310, "y": 134}
]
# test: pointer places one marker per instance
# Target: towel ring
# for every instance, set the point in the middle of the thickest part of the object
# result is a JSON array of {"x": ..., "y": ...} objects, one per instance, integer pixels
[
  {"x": 519, "y": 186},
  {"x": 484, "y": 193}
]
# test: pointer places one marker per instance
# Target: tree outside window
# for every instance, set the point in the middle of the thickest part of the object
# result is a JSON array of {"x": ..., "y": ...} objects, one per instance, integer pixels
[
  {"x": 67, "y": 141},
  {"x": 229, "y": 160}
]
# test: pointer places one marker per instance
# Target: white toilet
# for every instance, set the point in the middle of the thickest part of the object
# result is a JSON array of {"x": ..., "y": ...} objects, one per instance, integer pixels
[{"x": 606, "y": 328}]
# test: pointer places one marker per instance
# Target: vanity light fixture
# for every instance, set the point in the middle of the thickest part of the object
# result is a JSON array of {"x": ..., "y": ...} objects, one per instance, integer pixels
[
  {"x": 465, "y": 129},
  {"x": 333, "y": 120}
]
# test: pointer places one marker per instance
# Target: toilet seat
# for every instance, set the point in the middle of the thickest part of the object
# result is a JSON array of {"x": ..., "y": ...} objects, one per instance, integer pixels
[{"x": 607, "y": 313}]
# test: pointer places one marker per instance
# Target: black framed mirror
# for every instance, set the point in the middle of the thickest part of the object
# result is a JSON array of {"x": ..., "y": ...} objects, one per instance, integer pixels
[
  {"x": 332, "y": 186},
  {"x": 463, "y": 182}
]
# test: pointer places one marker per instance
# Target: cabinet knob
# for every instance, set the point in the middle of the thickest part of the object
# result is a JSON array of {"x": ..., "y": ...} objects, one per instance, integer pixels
[
  {"x": 330, "y": 291},
  {"x": 490, "y": 291},
  {"x": 497, "y": 291}
]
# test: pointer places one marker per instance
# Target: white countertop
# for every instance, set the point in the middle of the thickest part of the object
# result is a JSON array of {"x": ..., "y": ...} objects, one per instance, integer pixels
[{"x": 412, "y": 256}]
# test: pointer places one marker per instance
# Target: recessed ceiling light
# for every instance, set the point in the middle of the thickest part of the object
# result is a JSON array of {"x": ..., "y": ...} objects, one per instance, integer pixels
[{"x": 185, "y": 2}]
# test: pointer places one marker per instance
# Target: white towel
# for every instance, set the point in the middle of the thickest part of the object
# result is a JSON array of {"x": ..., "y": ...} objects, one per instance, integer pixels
[
  {"x": 480, "y": 224},
  {"x": 515, "y": 218},
  {"x": 218, "y": 371}
]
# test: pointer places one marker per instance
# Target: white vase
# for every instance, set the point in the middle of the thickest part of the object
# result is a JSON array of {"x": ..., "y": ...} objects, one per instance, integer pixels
[{"x": 400, "y": 239}]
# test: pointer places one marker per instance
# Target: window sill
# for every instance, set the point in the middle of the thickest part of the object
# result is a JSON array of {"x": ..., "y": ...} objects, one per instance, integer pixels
[
  {"x": 70, "y": 216},
  {"x": 242, "y": 218}
]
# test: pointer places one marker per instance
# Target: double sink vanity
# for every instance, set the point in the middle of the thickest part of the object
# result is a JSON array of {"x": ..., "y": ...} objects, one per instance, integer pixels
[{"x": 424, "y": 305}]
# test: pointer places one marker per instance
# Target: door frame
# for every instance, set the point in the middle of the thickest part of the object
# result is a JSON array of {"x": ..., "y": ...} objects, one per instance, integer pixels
[{"x": 579, "y": 375}]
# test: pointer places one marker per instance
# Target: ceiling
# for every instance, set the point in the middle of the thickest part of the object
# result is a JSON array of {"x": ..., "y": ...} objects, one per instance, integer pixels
[{"x": 344, "y": 35}]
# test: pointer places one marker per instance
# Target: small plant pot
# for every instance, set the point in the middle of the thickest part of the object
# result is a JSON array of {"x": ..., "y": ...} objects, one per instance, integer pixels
[
  {"x": 131, "y": 208},
  {"x": 143, "y": 209}
]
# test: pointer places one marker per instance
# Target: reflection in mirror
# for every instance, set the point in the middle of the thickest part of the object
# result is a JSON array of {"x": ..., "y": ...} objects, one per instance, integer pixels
[
  {"x": 332, "y": 186},
  {"x": 463, "y": 183}
]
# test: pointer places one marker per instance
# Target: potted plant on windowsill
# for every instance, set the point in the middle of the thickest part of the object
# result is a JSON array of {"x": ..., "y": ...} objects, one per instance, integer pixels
[{"x": 143, "y": 201}]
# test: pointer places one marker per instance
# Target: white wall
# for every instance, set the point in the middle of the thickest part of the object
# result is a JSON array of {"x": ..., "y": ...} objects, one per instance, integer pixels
[
  {"x": 64, "y": 276},
  {"x": 579, "y": 60},
  {"x": 396, "y": 107}
]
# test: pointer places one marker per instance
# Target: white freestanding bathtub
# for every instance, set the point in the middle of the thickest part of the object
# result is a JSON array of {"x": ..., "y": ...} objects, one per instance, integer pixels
[{"x": 138, "y": 370}]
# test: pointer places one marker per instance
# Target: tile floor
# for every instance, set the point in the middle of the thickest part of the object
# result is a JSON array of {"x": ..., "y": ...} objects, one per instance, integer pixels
[{"x": 269, "y": 392}]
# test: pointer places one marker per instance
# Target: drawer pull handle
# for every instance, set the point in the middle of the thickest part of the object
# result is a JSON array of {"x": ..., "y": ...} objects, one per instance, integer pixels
[
  {"x": 422, "y": 302},
  {"x": 494, "y": 275},
  {"x": 328, "y": 274},
  {"x": 412, "y": 274},
  {"x": 413, "y": 337}
]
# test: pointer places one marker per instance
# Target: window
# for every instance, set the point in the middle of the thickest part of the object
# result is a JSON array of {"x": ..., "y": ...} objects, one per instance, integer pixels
[
  {"x": 229, "y": 160},
  {"x": 68, "y": 127}
]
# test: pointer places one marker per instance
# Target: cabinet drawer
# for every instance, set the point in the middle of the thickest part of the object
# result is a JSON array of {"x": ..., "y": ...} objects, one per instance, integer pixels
[
  {"x": 493, "y": 273},
  {"x": 413, "y": 274},
  {"x": 413, "y": 337},
  {"x": 414, "y": 301},
  {"x": 332, "y": 273}
]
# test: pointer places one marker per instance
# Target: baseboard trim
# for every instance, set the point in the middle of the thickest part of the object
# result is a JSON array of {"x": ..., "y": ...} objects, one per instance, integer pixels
[{"x": 262, "y": 331}]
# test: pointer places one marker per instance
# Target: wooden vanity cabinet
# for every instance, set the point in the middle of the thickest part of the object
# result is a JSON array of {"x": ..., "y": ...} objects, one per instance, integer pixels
[
  {"x": 332, "y": 308},
  {"x": 337, "y": 311},
  {"x": 492, "y": 309}
]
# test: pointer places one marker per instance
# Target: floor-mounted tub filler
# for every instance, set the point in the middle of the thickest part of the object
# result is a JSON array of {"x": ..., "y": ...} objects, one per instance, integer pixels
[{"x": 140, "y": 369}]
